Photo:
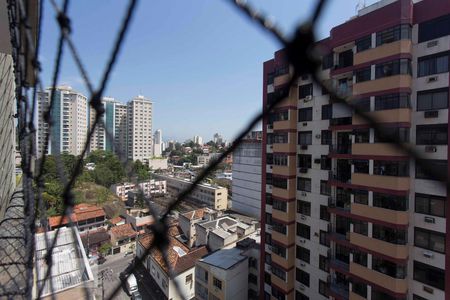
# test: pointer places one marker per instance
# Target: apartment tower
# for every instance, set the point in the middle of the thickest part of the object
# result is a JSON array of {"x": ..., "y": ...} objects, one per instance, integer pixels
[
  {"x": 157, "y": 143},
  {"x": 346, "y": 215},
  {"x": 139, "y": 138},
  {"x": 70, "y": 121}
]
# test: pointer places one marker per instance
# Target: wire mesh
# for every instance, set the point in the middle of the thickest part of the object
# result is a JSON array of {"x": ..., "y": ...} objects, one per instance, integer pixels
[{"x": 301, "y": 53}]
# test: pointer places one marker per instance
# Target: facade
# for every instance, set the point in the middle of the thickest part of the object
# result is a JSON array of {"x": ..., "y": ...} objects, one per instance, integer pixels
[
  {"x": 70, "y": 116},
  {"x": 100, "y": 139},
  {"x": 246, "y": 185},
  {"x": 140, "y": 133},
  {"x": 123, "y": 239},
  {"x": 121, "y": 189},
  {"x": 198, "y": 140},
  {"x": 217, "y": 138},
  {"x": 85, "y": 217},
  {"x": 212, "y": 196},
  {"x": 150, "y": 187},
  {"x": 157, "y": 143},
  {"x": 120, "y": 130},
  {"x": 157, "y": 163},
  {"x": 344, "y": 214},
  {"x": 188, "y": 220},
  {"x": 204, "y": 159}
]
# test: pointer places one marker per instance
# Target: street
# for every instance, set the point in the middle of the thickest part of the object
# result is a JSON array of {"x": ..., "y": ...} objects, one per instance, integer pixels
[{"x": 113, "y": 266}]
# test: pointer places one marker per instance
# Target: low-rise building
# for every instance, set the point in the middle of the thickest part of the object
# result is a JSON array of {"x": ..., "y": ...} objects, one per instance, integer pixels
[
  {"x": 123, "y": 238},
  {"x": 93, "y": 240},
  {"x": 139, "y": 219},
  {"x": 117, "y": 221},
  {"x": 205, "y": 158},
  {"x": 181, "y": 261},
  {"x": 149, "y": 187},
  {"x": 158, "y": 163},
  {"x": 212, "y": 196},
  {"x": 85, "y": 217},
  {"x": 121, "y": 189},
  {"x": 188, "y": 220}
]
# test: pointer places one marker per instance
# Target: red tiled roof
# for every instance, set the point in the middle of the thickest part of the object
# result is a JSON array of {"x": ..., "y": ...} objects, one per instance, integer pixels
[
  {"x": 195, "y": 214},
  {"x": 86, "y": 211},
  {"x": 116, "y": 220},
  {"x": 122, "y": 231},
  {"x": 56, "y": 220}
]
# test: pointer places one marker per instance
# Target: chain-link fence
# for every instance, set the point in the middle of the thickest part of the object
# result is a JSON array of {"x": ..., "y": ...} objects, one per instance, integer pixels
[{"x": 300, "y": 51}]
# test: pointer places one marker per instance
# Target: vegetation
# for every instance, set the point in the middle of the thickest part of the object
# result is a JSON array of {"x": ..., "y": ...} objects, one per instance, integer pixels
[{"x": 105, "y": 249}]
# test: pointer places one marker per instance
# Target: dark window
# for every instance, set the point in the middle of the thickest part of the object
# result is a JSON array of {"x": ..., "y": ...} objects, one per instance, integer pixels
[
  {"x": 361, "y": 196},
  {"x": 268, "y": 219},
  {"x": 268, "y": 239},
  {"x": 438, "y": 166},
  {"x": 305, "y": 138},
  {"x": 305, "y": 114},
  {"x": 391, "y": 68},
  {"x": 304, "y": 184},
  {"x": 305, "y": 90},
  {"x": 325, "y": 162},
  {"x": 279, "y": 250},
  {"x": 279, "y": 205},
  {"x": 302, "y": 277},
  {"x": 399, "y": 32},
  {"x": 279, "y": 227},
  {"x": 415, "y": 297},
  {"x": 269, "y": 199},
  {"x": 429, "y": 275},
  {"x": 392, "y": 101},
  {"x": 280, "y": 273},
  {"x": 391, "y": 168},
  {"x": 277, "y": 294},
  {"x": 302, "y": 254},
  {"x": 280, "y": 138},
  {"x": 389, "y": 268},
  {"x": 360, "y": 289},
  {"x": 434, "y": 29},
  {"x": 300, "y": 296},
  {"x": 323, "y": 263},
  {"x": 326, "y": 137},
  {"x": 379, "y": 295},
  {"x": 270, "y": 77},
  {"x": 323, "y": 238},
  {"x": 360, "y": 257},
  {"x": 432, "y": 134},
  {"x": 280, "y": 159},
  {"x": 430, "y": 205},
  {"x": 345, "y": 59},
  {"x": 361, "y": 166},
  {"x": 428, "y": 239},
  {"x": 324, "y": 214},
  {"x": 324, "y": 91},
  {"x": 432, "y": 99},
  {"x": 362, "y": 74},
  {"x": 363, "y": 43},
  {"x": 303, "y": 231},
  {"x": 323, "y": 288},
  {"x": 363, "y": 104},
  {"x": 433, "y": 64},
  {"x": 327, "y": 61},
  {"x": 280, "y": 182},
  {"x": 267, "y": 278},
  {"x": 360, "y": 227},
  {"x": 304, "y": 207},
  {"x": 279, "y": 116},
  {"x": 362, "y": 136},
  {"x": 217, "y": 283},
  {"x": 390, "y": 235},
  {"x": 304, "y": 161},
  {"x": 269, "y": 159},
  {"x": 325, "y": 189},
  {"x": 398, "y": 134},
  {"x": 327, "y": 111},
  {"x": 399, "y": 203}
]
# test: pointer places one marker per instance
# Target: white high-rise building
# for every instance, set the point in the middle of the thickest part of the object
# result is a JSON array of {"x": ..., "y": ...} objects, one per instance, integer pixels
[
  {"x": 217, "y": 139},
  {"x": 70, "y": 121},
  {"x": 198, "y": 140},
  {"x": 121, "y": 130},
  {"x": 157, "y": 143},
  {"x": 139, "y": 139}
]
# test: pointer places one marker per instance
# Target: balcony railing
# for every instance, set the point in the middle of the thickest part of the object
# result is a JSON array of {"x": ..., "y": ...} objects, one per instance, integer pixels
[
  {"x": 341, "y": 149},
  {"x": 341, "y": 121},
  {"x": 339, "y": 289},
  {"x": 340, "y": 176}
]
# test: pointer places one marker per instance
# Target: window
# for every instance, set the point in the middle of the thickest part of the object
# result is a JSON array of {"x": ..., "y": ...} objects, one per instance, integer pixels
[
  {"x": 324, "y": 91},
  {"x": 305, "y": 90},
  {"x": 433, "y": 64},
  {"x": 267, "y": 278},
  {"x": 361, "y": 136},
  {"x": 391, "y": 68},
  {"x": 324, "y": 214},
  {"x": 345, "y": 59},
  {"x": 305, "y": 138},
  {"x": 361, "y": 196},
  {"x": 279, "y": 116},
  {"x": 323, "y": 263},
  {"x": 390, "y": 235},
  {"x": 304, "y": 161},
  {"x": 399, "y": 32},
  {"x": 269, "y": 178},
  {"x": 362, "y": 74},
  {"x": 304, "y": 207},
  {"x": 391, "y": 168},
  {"x": 430, "y": 240},
  {"x": 432, "y": 99},
  {"x": 389, "y": 268},
  {"x": 217, "y": 283},
  {"x": 432, "y": 134},
  {"x": 302, "y": 254},
  {"x": 268, "y": 219},
  {"x": 277, "y": 294},
  {"x": 280, "y": 183},
  {"x": 360, "y": 227},
  {"x": 399, "y": 134},
  {"x": 305, "y": 114},
  {"x": 279, "y": 227},
  {"x": 430, "y": 205},
  {"x": 399, "y": 203},
  {"x": 434, "y": 28},
  {"x": 303, "y": 231},
  {"x": 268, "y": 239},
  {"x": 323, "y": 288},
  {"x": 327, "y": 112},
  {"x": 364, "y": 43},
  {"x": 269, "y": 199},
  {"x": 438, "y": 167},
  {"x": 300, "y": 296},
  {"x": 326, "y": 137},
  {"x": 361, "y": 166},
  {"x": 323, "y": 238},
  {"x": 325, "y": 189},
  {"x": 327, "y": 61},
  {"x": 325, "y": 162},
  {"x": 359, "y": 288},
  {"x": 429, "y": 275},
  {"x": 280, "y": 159},
  {"x": 362, "y": 104},
  {"x": 280, "y": 138},
  {"x": 280, "y": 273},
  {"x": 392, "y": 101},
  {"x": 304, "y": 184},
  {"x": 279, "y": 250},
  {"x": 302, "y": 277},
  {"x": 360, "y": 257},
  {"x": 279, "y": 205}
]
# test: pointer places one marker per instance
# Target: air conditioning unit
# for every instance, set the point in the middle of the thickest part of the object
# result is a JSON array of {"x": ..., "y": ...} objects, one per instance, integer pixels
[
  {"x": 428, "y": 289},
  {"x": 302, "y": 288},
  {"x": 431, "y": 114},
  {"x": 432, "y": 44},
  {"x": 302, "y": 264},
  {"x": 432, "y": 79},
  {"x": 303, "y": 170},
  {"x": 304, "y": 147},
  {"x": 429, "y": 220},
  {"x": 305, "y": 123},
  {"x": 303, "y": 194},
  {"x": 430, "y": 149},
  {"x": 303, "y": 217},
  {"x": 302, "y": 241},
  {"x": 317, "y": 136},
  {"x": 317, "y": 160},
  {"x": 428, "y": 254},
  {"x": 308, "y": 98}
]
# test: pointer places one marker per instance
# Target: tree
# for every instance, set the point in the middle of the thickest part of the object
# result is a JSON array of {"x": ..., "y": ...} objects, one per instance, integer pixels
[
  {"x": 140, "y": 201},
  {"x": 105, "y": 249},
  {"x": 141, "y": 170}
]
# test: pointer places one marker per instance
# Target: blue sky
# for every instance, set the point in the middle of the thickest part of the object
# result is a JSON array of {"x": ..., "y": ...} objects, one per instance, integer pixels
[{"x": 199, "y": 61}]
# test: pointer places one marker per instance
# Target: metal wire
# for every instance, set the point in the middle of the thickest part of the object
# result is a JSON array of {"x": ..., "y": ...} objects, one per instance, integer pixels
[{"x": 300, "y": 52}]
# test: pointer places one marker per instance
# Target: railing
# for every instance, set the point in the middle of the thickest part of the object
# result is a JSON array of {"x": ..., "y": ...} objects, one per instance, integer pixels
[{"x": 341, "y": 149}]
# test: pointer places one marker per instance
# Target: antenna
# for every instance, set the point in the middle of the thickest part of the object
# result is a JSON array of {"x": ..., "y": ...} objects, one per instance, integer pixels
[{"x": 360, "y": 5}]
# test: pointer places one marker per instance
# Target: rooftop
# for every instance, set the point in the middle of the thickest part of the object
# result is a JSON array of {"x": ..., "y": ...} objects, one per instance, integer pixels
[
  {"x": 116, "y": 220},
  {"x": 122, "y": 231},
  {"x": 224, "y": 258}
]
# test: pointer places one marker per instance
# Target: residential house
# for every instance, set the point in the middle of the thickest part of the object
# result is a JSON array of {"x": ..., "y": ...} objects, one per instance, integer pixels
[{"x": 123, "y": 238}]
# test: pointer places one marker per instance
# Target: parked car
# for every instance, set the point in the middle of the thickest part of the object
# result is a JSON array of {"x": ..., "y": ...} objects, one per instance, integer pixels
[
  {"x": 132, "y": 284},
  {"x": 101, "y": 260},
  {"x": 136, "y": 296}
]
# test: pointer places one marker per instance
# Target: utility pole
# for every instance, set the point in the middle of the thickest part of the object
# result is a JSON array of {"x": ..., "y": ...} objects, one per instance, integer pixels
[{"x": 105, "y": 274}]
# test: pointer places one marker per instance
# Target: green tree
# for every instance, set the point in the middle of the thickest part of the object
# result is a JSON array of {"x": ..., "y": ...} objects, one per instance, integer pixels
[
  {"x": 105, "y": 249},
  {"x": 141, "y": 170}
]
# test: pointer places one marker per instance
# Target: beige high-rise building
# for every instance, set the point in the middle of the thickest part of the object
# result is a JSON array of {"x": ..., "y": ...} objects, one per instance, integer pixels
[
  {"x": 70, "y": 116},
  {"x": 139, "y": 139}
]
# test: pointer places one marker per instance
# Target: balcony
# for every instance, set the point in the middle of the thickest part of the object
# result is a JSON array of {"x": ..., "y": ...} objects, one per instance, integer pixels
[
  {"x": 285, "y": 124},
  {"x": 339, "y": 290},
  {"x": 399, "y": 286},
  {"x": 381, "y": 214},
  {"x": 283, "y": 170},
  {"x": 381, "y": 182},
  {"x": 281, "y": 79},
  {"x": 385, "y": 50},
  {"x": 399, "y": 115},
  {"x": 376, "y": 149},
  {"x": 382, "y": 84},
  {"x": 341, "y": 121},
  {"x": 341, "y": 149},
  {"x": 344, "y": 177},
  {"x": 339, "y": 265},
  {"x": 284, "y": 148},
  {"x": 389, "y": 249}
]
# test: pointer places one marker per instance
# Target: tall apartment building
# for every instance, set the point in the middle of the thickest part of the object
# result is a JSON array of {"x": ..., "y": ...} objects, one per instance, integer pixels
[
  {"x": 100, "y": 139},
  {"x": 346, "y": 215},
  {"x": 157, "y": 143},
  {"x": 70, "y": 121},
  {"x": 121, "y": 129},
  {"x": 198, "y": 140},
  {"x": 140, "y": 134},
  {"x": 246, "y": 183}
]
